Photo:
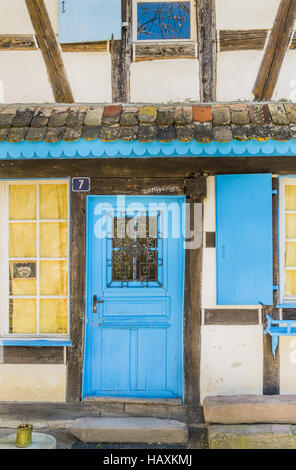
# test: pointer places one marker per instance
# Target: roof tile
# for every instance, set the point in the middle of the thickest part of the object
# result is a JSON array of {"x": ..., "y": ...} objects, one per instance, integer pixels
[
  {"x": 202, "y": 113},
  {"x": 239, "y": 114},
  {"x": 183, "y": 115},
  {"x": 278, "y": 114},
  {"x": 291, "y": 112},
  {"x": 23, "y": 117},
  {"x": 111, "y": 115},
  {"x": 72, "y": 134},
  {"x": 147, "y": 114},
  {"x": 58, "y": 116},
  {"x": 165, "y": 133},
  {"x": 222, "y": 133},
  {"x": 76, "y": 116},
  {"x": 6, "y": 116},
  {"x": 54, "y": 134},
  {"x": 280, "y": 133},
  {"x": 221, "y": 115},
  {"x": 185, "y": 133},
  {"x": 94, "y": 116},
  {"x": 110, "y": 134},
  {"x": 3, "y": 133},
  {"x": 259, "y": 114},
  {"x": 165, "y": 115},
  {"x": 203, "y": 132},
  {"x": 242, "y": 133},
  {"x": 129, "y": 117},
  {"x": 128, "y": 134},
  {"x": 36, "y": 134},
  {"x": 91, "y": 132},
  {"x": 17, "y": 134},
  {"x": 261, "y": 133},
  {"x": 147, "y": 133},
  {"x": 40, "y": 118}
]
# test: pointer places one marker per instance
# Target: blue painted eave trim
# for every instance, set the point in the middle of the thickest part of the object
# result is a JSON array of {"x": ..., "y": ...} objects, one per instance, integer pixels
[
  {"x": 119, "y": 149},
  {"x": 37, "y": 343}
]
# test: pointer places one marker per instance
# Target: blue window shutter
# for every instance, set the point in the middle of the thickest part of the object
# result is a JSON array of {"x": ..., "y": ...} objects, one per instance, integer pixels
[
  {"x": 89, "y": 20},
  {"x": 244, "y": 239}
]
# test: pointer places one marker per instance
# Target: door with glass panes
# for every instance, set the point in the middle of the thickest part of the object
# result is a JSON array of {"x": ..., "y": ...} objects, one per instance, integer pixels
[{"x": 134, "y": 308}]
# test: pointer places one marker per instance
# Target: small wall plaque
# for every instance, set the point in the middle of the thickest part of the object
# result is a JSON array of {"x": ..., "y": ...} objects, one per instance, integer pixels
[
  {"x": 81, "y": 184},
  {"x": 24, "y": 270}
]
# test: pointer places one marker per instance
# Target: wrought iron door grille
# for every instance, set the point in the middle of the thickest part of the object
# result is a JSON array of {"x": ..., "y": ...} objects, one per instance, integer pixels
[{"x": 135, "y": 260}]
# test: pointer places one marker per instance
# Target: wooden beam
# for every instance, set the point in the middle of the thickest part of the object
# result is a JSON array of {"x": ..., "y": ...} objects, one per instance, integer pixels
[
  {"x": 121, "y": 57},
  {"x": 275, "y": 52},
  {"x": 17, "y": 42},
  {"x": 50, "y": 50},
  {"x": 164, "y": 51},
  {"x": 293, "y": 42},
  {"x": 101, "y": 46},
  {"x": 241, "y": 40},
  {"x": 271, "y": 365},
  {"x": 207, "y": 44}
]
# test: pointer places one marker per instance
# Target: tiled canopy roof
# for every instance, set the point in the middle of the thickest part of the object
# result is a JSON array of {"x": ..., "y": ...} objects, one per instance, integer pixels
[{"x": 149, "y": 123}]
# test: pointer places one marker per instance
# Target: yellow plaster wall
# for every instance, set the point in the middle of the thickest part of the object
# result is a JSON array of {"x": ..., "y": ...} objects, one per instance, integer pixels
[{"x": 32, "y": 383}]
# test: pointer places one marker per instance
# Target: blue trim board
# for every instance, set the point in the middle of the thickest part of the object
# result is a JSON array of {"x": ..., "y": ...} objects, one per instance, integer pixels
[
  {"x": 120, "y": 149},
  {"x": 38, "y": 343}
]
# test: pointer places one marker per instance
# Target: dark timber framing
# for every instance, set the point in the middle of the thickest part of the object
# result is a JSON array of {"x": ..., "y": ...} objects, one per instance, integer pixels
[
  {"x": 275, "y": 52},
  {"x": 121, "y": 57},
  {"x": 207, "y": 49},
  {"x": 230, "y": 316},
  {"x": 50, "y": 50},
  {"x": 271, "y": 365}
]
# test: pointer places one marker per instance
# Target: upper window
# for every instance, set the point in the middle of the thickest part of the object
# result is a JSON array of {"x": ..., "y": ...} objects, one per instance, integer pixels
[
  {"x": 166, "y": 20},
  {"x": 34, "y": 266},
  {"x": 288, "y": 240}
]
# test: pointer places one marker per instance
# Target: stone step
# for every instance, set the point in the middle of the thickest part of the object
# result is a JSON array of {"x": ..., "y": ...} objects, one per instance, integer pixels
[
  {"x": 130, "y": 430},
  {"x": 240, "y": 409},
  {"x": 252, "y": 436}
]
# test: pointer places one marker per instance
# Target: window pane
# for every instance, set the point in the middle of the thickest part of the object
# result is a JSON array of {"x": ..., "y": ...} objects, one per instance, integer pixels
[
  {"x": 22, "y": 316},
  {"x": 290, "y": 288},
  {"x": 22, "y": 240},
  {"x": 53, "y": 277},
  {"x": 291, "y": 225},
  {"x": 53, "y": 240},
  {"x": 22, "y": 202},
  {"x": 163, "y": 20},
  {"x": 53, "y": 201},
  {"x": 291, "y": 254},
  {"x": 53, "y": 316},
  {"x": 22, "y": 278},
  {"x": 291, "y": 197}
]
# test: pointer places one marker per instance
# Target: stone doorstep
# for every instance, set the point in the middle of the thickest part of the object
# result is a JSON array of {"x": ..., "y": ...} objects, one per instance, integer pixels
[
  {"x": 239, "y": 409},
  {"x": 134, "y": 401},
  {"x": 256, "y": 436},
  {"x": 130, "y": 430}
]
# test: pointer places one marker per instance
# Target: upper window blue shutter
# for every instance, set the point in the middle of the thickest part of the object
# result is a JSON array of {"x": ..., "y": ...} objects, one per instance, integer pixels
[
  {"x": 89, "y": 20},
  {"x": 244, "y": 239}
]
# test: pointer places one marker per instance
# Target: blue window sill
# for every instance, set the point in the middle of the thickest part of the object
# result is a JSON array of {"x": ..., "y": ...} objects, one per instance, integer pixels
[
  {"x": 37, "y": 343},
  {"x": 286, "y": 306}
]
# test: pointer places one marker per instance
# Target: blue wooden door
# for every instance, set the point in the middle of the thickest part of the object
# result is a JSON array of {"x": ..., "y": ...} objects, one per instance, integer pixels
[{"x": 134, "y": 308}]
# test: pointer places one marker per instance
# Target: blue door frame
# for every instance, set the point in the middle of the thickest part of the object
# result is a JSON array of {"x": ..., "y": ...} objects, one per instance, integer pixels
[{"x": 134, "y": 334}]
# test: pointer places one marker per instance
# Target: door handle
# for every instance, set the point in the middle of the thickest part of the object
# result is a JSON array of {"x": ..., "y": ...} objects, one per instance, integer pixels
[{"x": 95, "y": 302}]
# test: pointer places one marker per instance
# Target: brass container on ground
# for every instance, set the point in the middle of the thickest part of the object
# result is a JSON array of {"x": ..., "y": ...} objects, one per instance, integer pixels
[{"x": 24, "y": 435}]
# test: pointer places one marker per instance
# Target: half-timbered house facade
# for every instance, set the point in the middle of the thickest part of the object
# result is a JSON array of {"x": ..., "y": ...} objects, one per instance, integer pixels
[{"x": 119, "y": 115}]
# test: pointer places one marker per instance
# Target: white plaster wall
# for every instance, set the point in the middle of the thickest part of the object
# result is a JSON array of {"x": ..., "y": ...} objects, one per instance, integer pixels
[
  {"x": 25, "y": 382},
  {"x": 239, "y": 14},
  {"x": 24, "y": 77},
  {"x": 236, "y": 74},
  {"x": 160, "y": 81},
  {"x": 231, "y": 360},
  {"x": 14, "y": 18},
  {"x": 89, "y": 74},
  {"x": 287, "y": 350},
  {"x": 286, "y": 85}
]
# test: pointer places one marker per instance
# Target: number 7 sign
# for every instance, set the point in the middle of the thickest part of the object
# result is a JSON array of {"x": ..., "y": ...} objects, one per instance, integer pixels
[{"x": 81, "y": 184}]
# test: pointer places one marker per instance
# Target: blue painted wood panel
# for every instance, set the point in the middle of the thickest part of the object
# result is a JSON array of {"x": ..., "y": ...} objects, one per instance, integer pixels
[
  {"x": 89, "y": 20},
  {"x": 244, "y": 239},
  {"x": 134, "y": 343}
]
